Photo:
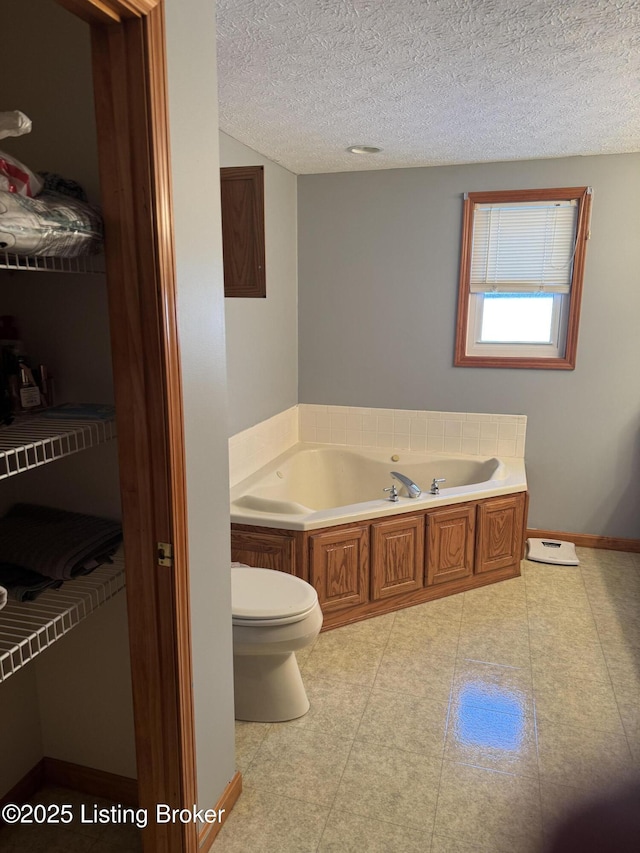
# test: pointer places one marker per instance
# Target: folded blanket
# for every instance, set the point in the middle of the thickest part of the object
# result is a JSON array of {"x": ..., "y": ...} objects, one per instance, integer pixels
[
  {"x": 56, "y": 543},
  {"x": 23, "y": 584},
  {"x": 3, "y": 597}
]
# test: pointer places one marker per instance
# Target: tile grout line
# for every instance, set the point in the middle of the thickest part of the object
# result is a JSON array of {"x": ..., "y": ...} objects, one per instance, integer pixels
[
  {"x": 446, "y": 725},
  {"x": 535, "y": 702},
  {"x": 613, "y": 690},
  {"x": 609, "y": 683},
  {"x": 371, "y": 686}
]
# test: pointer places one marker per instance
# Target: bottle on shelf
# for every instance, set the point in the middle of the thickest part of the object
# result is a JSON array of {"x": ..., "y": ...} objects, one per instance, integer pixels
[
  {"x": 29, "y": 391},
  {"x": 45, "y": 383},
  {"x": 22, "y": 388}
]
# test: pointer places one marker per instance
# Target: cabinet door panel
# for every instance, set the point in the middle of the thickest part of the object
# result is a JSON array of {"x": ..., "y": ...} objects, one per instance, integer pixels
[
  {"x": 450, "y": 542},
  {"x": 266, "y": 550},
  {"x": 339, "y": 567},
  {"x": 242, "y": 204},
  {"x": 397, "y": 556},
  {"x": 500, "y": 528}
]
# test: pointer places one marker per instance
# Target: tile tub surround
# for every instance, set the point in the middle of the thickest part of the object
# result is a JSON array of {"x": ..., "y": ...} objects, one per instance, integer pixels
[
  {"x": 252, "y": 448},
  {"x": 474, "y": 434},
  {"x": 421, "y": 431},
  {"x": 453, "y": 725}
]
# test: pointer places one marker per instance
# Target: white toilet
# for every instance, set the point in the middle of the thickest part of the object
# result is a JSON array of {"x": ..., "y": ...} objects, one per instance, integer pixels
[{"x": 274, "y": 615}]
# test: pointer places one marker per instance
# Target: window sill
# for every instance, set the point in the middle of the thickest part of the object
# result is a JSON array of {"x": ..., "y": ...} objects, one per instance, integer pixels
[{"x": 503, "y": 361}]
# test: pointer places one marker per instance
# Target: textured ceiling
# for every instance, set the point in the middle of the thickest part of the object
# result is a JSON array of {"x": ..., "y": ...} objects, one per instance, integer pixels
[{"x": 429, "y": 81}]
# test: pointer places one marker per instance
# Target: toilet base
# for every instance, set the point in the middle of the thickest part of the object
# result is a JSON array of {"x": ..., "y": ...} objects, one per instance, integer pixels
[{"x": 268, "y": 688}]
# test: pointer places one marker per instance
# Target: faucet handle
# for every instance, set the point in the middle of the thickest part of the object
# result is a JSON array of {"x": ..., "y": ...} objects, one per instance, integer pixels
[
  {"x": 435, "y": 485},
  {"x": 393, "y": 496}
]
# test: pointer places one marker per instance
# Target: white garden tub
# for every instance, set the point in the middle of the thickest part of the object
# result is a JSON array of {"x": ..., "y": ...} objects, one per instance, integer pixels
[{"x": 313, "y": 485}]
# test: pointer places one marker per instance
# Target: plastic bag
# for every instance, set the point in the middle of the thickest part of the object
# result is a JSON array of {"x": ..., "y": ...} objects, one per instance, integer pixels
[
  {"x": 50, "y": 225},
  {"x": 15, "y": 177},
  {"x": 14, "y": 123}
]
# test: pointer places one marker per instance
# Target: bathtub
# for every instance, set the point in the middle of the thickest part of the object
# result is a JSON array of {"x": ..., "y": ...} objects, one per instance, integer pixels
[{"x": 313, "y": 485}]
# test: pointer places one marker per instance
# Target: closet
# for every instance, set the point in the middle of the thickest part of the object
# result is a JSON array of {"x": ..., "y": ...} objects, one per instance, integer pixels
[
  {"x": 65, "y": 682},
  {"x": 66, "y": 692}
]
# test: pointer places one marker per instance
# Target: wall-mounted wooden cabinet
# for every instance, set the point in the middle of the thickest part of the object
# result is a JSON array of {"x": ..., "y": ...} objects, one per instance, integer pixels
[
  {"x": 364, "y": 569},
  {"x": 243, "y": 243}
]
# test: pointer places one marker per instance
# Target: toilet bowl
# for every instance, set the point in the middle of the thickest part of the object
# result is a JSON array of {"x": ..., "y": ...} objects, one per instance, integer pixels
[{"x": 273, "y": 615}]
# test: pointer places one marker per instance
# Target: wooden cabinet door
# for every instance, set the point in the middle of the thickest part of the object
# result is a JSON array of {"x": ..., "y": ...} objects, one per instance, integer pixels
[
  {"x": 243, "y": 245},
  {"x": 500, "y": 530},
  {"x": 265, "y": 550},
  {"x": 339, "y": 567},
  {"x": 397, "y": 556},
  {"x": 450, "y": 540}
]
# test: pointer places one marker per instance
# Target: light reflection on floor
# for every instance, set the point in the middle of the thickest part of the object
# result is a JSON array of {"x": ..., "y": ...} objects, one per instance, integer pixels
[{"x": 489, "y": 717}]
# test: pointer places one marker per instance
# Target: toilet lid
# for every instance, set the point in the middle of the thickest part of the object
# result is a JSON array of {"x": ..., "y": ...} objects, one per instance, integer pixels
[{"x": 268, "y": 594}]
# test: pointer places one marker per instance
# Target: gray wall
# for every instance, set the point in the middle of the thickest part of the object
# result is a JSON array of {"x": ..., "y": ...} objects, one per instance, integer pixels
[
  {"x": 193, "y": 120},
  {"x": 378, "y": 277},
  {"x": 262, "y": 334}
]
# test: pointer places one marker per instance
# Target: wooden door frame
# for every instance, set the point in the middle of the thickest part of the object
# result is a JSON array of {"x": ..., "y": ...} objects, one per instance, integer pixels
[{"x": 130, "y": 88}]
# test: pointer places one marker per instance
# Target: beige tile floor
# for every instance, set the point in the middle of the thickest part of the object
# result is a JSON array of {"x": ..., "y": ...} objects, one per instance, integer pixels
[{"x": 466, "y": 724}]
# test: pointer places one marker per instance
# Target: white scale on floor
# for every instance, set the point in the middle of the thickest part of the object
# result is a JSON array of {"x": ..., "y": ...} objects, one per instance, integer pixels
[{"x": 552, "y": 551}]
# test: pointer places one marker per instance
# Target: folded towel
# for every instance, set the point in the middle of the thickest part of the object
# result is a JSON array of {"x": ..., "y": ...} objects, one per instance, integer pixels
[
  {"x": 23, "y": 584},
  {"x": 56, "y": 543},
  {"x": 3, "y": 597}
]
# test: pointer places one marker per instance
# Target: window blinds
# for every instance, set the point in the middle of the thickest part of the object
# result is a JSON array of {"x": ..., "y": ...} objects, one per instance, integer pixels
[{"x": 523, "y": 247}]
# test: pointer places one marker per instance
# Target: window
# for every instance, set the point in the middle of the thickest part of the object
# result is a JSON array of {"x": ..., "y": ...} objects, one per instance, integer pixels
[{"x": 521, "y": 272}]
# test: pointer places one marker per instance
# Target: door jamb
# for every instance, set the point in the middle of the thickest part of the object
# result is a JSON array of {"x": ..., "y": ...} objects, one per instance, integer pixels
[{"x": 129, "y": 74}]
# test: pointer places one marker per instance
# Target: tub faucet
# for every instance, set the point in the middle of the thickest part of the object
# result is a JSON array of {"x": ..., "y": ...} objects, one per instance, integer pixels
[
  {"x": 435, "y": 486},
  {"x": 413, "y": 490}
]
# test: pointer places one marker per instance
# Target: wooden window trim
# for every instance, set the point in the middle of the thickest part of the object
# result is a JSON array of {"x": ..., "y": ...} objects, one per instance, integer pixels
[
  {"x": 568, "y": 361},
  {"x": 243, "y": 238}
]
